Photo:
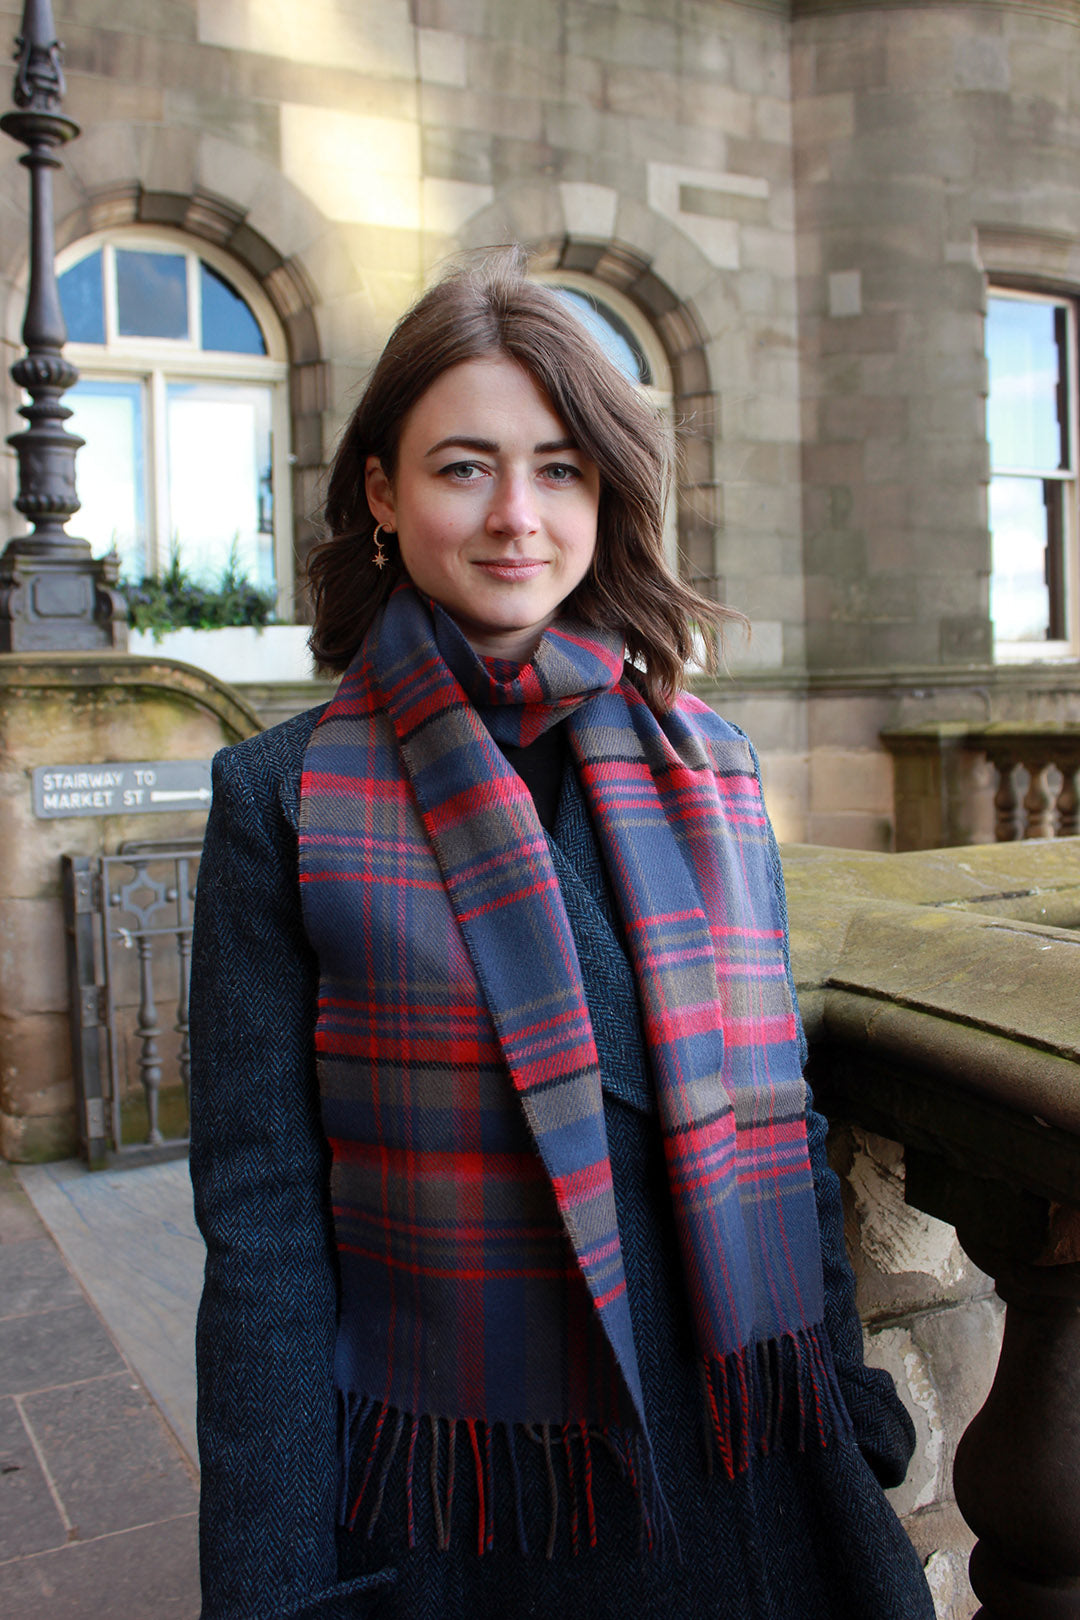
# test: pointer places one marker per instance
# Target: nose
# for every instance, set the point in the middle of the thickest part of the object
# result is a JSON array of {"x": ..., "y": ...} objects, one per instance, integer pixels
[{"x": 512, "y": 512}]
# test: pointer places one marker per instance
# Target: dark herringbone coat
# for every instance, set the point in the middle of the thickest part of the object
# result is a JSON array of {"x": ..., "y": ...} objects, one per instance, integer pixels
[{"x": 796, "y": 1538}]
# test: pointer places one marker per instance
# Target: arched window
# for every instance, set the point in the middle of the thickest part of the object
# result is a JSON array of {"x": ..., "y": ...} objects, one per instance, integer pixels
[
  {"x": 182, "y": 403},
  {"x": 630, "y": 343}
]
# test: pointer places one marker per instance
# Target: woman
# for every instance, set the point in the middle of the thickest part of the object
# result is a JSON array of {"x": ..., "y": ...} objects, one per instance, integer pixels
[{"x": 525, "y": 1282}]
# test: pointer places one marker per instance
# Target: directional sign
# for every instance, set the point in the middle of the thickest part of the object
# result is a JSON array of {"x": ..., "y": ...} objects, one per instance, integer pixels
[{"x": 121, "y": 789}]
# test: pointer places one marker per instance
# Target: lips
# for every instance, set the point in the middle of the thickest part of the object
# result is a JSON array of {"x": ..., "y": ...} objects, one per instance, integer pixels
[{"x": 513, "y": 569}]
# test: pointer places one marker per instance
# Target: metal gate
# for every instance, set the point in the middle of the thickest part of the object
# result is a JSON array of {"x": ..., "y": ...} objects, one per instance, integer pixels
[{"x": 128, "y": 924}]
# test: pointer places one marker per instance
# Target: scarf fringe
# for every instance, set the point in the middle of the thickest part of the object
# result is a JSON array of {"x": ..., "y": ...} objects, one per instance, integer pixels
[
  {"x": 777, "y": 1393},
  {"x": 504, "y": 1469}
]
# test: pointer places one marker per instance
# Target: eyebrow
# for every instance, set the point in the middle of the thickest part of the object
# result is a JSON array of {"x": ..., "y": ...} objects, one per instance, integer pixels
[{"x": 489, "y": 447}]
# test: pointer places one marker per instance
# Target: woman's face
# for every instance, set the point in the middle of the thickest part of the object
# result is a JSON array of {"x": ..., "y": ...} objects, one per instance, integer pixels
[{"x": 494, "y": 508}]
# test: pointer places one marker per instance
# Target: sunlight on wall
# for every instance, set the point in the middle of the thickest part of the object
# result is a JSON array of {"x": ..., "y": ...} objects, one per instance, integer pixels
[
  {"x": 366, "y": 171},
  {"x": 366, "y": 36},
  {"x": 355, "y": 168}
]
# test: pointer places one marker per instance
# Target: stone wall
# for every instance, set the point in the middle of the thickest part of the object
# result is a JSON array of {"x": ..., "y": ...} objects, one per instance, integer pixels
[
  {"x": 802, "y": 203},
  {"x": 76, "y": 710}
]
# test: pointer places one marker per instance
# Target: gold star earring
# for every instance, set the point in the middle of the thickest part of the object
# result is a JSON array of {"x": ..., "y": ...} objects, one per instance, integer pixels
[{"x": 381, "y": 558}]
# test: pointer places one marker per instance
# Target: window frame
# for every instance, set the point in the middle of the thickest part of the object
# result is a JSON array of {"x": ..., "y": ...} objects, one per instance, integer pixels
[
  {"x": 1066, "y": 648},
  {"x": 155, "y": 362}
]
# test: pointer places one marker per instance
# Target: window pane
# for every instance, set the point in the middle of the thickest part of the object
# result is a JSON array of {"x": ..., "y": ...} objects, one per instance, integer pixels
[
  {"x": 110, "y": 470},
  {"x": 1027, "y": 535},
  {"x": 218, "y": 439},
  {"x": 82, "y": 302},
  {"x": 1025, "y": 415},
  {"x": 612, "y": 334},
  {"x": 151, "y": 294},
  {"x": 227, "y": 322}
]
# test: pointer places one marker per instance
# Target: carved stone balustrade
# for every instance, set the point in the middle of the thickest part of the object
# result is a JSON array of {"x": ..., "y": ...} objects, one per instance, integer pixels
[
  {"x": 941, "y": 994},
  {"x": 942, "y": 771}
]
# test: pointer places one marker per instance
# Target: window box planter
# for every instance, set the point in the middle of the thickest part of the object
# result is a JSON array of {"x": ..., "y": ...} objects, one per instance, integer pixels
[{"x": 240, "y": 655}]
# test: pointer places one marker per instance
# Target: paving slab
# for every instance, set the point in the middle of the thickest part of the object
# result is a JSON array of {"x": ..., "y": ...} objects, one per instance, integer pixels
[
  {"x": 33, "y": 1277},
  {"x": 130, "y": 1238},
  {"x": 29, "y": 1518},
  {"x": 62, "y": 1346},
  {"x": 148, "y": 1573},
  {"x": 111, "y": 1462}
]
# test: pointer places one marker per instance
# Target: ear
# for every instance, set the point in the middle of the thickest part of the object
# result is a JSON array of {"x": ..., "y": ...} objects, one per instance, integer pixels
[{"x": 380, "y": 493}]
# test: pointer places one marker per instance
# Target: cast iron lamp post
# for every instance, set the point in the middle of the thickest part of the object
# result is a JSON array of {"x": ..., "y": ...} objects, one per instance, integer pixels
[{"x": 54, "y": 596}]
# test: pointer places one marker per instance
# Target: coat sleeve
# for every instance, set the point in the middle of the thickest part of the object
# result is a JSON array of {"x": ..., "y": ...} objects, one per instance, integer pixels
[
  {"x": 884, "y": 1432},
  {"x": 266, "y": 1325}
]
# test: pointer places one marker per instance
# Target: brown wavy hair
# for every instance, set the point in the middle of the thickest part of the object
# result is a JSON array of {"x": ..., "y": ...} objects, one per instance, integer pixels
[{"x": 488, "y": 309}]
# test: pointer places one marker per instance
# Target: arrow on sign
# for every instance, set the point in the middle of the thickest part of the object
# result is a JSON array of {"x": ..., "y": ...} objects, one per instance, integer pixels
[{"x": 161, "y": 795}]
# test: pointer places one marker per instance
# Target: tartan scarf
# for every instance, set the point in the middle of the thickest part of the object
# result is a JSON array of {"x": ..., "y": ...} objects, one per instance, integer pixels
[{"x": 481, "y": 1271}]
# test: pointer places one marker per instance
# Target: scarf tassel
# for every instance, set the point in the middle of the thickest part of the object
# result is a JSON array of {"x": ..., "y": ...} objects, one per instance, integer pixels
[
  {"x": 509, "y": 1475},
  {"x": 776, "y": 1393}
]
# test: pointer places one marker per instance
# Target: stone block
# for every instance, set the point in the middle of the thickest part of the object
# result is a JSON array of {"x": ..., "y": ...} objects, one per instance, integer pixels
[
  {"x": 643, "y": 92},
  {"x": 836, "y": 720},
  {"x": 772, "y": 122},
  {"x": 830, "y": 645},
  {"x": 35, "y": 1065},
  {"x": 621, "y": 38},
  {"x": 230, "y": 171},
  {"x": 440, "y": 56},
  {"x": 854, "y": 830},
  {"x": 703, "y": 49},
  {"x": 857, "y": 63},
  {"x": 761, "y": 60},
  {"x": 849, "y": 779},
  {"x": 33, "y": 961},
  {"x": 778, "y": 596},
  {"x": 249, "y": 124},
  {"x": 103, "y": 155},
  {"x": 784, "y": 780},
  {"x": 761, "y": 248},
  {"x": 824, "y": 118},
  {"x": 966, "y": 639},
  {"x": 520, "y": 118},
  {"x": 680, "y": 264},
  {"x": 453, "y": 16},
  {"x": 764, "y": 648},
  {"x": 372, "y": 39},
  {"x": 39, "y": 1139},
  {"x": 861, "y": 334},
  {"x": 768, "y": 509},
  {"x": 981, "y": 62},
  {"x": 774, "y": 720},
  {"x": 855, "y": 417},
  {"x": 705, "y": 105}
]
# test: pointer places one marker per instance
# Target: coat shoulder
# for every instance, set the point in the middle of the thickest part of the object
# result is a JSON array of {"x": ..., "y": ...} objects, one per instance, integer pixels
[{"x": 265, "y": 770}]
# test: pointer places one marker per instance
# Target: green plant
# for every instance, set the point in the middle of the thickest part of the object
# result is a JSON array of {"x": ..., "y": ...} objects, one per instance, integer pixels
[{"x": 174, "y": 601}]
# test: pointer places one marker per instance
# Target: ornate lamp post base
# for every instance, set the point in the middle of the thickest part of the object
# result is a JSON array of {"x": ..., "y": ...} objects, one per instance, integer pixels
[
  {"x": 54, "y": 596},
  {"x": 47, "y": 604}
]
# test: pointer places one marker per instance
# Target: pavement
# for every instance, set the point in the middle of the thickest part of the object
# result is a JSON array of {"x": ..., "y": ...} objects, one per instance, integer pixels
[{"x": 99, "y": 1284}]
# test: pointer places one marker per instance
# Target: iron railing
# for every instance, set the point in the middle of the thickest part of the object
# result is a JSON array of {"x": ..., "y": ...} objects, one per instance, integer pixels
[{"x": 128, "y": 923}]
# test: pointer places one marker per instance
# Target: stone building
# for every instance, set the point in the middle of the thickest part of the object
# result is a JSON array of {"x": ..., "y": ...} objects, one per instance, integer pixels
[
  {"x": 804, "y": 221},
  {"x": 798, "y": 213}
]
